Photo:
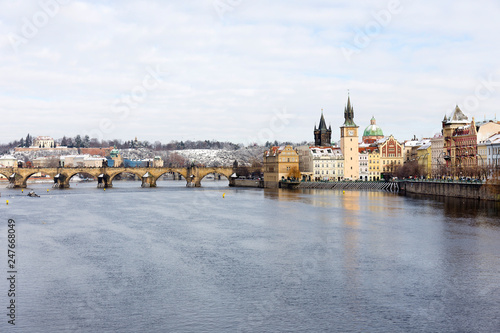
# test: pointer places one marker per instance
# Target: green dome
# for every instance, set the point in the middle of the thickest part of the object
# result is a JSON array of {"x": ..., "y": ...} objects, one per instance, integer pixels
[
  {"x": 114, "y": 152},
  {"x": 373, "y": 129}
]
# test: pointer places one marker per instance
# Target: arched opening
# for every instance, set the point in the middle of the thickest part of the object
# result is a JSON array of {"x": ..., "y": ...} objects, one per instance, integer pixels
[
  {"x": 39, "y": 178},
  {"x": 125, "y": 179},
  {"x": 171, "y": 179},
  {"x": 81, "y": 178},
  {"x": 4, "y": 179},
  {"x": 214, "y": 179}
]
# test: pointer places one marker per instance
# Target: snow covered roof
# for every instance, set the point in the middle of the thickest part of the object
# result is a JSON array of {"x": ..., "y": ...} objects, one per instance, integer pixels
[
  {"x": 424, "y": 146},
  {"x": 325, "y": 151},
  {"x": 457, "y": 117},
  {"x": 494, "y": 139}
]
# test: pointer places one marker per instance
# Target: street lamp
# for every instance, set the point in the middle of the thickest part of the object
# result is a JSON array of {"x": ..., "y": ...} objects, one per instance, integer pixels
[{"x": 443, "y": 166}]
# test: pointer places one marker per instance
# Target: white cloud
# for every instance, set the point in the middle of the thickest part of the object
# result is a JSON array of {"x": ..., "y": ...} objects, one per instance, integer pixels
[{"x": 223, "y": 78}]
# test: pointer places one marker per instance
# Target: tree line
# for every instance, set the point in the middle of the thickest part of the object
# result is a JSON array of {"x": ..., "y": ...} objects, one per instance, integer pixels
[{"x": 84, "y": 141}]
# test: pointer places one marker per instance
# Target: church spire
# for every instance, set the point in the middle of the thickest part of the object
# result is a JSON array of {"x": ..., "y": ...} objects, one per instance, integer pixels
[
  {"x": 322, "y": 122},
  {"x": 349, "y": 114}
]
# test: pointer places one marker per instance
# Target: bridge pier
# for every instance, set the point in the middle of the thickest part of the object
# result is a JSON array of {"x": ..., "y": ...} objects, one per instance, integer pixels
[
  {"x": 148, "y": 180},
  {"x": 61, "y": 181},
  {"x": 103, "y": 181},
  {"x": 17, "y": 181}
]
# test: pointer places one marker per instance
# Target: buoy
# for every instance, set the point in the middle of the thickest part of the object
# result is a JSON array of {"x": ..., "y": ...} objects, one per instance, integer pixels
[{"x": 223, "y": 195}]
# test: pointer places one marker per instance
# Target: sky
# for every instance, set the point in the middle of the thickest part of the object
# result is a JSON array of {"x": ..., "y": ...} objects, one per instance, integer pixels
[{"x": 243, "y": 71}]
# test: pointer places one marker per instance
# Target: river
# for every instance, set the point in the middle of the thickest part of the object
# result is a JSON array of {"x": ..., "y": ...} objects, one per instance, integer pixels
[{"x": 220, "y": 259}]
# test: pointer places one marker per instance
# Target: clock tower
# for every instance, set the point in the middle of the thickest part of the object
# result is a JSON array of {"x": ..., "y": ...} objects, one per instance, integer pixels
[{"x": 349, "y": 143}]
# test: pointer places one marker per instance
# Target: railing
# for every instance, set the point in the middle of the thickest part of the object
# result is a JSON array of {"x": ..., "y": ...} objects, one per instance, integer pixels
[{"x": 458, "y": 181}]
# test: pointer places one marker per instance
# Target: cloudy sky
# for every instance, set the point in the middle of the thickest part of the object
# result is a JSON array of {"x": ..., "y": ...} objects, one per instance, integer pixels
[{"x": 240, "y": 70}]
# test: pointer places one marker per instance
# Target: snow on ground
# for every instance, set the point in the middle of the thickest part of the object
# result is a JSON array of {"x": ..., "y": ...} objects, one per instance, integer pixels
[
  {"x": 221, "y": 157},
  {"x": 207, "y": 157}
]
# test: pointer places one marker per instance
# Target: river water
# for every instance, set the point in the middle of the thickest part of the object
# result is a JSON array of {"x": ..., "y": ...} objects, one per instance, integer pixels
[{"x": 220, "y": 259}]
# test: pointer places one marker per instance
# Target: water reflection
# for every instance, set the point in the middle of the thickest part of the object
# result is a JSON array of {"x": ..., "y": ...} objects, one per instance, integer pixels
[
  {"x": 174, "y": 259},
  {"x": 458, "y": 208}
]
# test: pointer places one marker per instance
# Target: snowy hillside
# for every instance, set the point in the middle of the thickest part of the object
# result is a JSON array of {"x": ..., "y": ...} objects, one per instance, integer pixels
[{"x": 206, "y": 157}]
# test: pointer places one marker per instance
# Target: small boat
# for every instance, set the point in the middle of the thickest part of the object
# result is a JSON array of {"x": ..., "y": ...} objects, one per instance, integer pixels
[{"x": 33, "y": 194}]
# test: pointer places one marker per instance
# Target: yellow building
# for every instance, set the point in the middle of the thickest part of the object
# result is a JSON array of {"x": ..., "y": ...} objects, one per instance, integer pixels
[
  {"x": 280, "y": 163},
  {"x": 424, "y": 158},
  {"x": 374, "y": 165}
]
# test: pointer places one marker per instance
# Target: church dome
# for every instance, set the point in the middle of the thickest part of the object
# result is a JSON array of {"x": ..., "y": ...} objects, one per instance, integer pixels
[{"x": 373, "y": 129}]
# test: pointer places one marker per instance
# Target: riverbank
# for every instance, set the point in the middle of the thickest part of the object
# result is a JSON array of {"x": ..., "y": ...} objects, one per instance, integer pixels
[
  {"x": 385, "y": 186},
  {"x": 478, "y": 191}
]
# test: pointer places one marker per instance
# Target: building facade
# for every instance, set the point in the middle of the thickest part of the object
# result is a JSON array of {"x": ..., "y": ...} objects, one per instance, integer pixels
[
  {"x": 437, "y": 156},
  {"x": 424, "y": 158},
  {"x": 328, "y": 164},
  {"x": 460, "y": 141},
  {"x": 391, "y": 156},
  {"x": 493, "y": 156},
  {"x": 364, "y": 173},
  {"x": 44, "y": 142},
  {"x": 305, "y": 163},
  {"x": 280, "y": 163},
  {"x": 8, "y": 161},
  {"x": 374, "y": 168}
]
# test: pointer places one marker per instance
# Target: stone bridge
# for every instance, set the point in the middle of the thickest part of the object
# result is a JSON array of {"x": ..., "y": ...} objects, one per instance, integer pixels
[{"x": 18, "y": 176}]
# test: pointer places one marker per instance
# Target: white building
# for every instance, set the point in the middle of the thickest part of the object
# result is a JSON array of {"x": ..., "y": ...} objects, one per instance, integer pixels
[
  {"x": 8, "y": 161},
  {"x": 93, "y": 161},
  {"x": 363, "y": 166},
  {"x": 327, "y": 164},
  {"x": 78, "y": 161},
  {"x": 44, "y": 142},
  {"x": 493, "y": 151}
]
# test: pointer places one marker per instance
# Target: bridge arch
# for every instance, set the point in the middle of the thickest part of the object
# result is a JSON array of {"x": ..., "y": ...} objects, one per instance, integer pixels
[
  {"x": 226, "y": 172},
  {"x": 73, "y": 173},
  {"x": 182, "y": 172},
  {"x": 112, "y": 175},
  {"x": 5, "y": 174},
  {"x": 26, "y": 175},
  {"x": 68, "y": 176}
]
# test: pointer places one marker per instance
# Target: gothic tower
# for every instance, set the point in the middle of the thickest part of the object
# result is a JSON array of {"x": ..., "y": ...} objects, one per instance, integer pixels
[
  {"x": 322, "y": 135},
  {"x": 349, "y": 143}
]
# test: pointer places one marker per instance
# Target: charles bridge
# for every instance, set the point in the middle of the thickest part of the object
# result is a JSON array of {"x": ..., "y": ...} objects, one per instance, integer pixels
[{"x": 149, "y": 175}]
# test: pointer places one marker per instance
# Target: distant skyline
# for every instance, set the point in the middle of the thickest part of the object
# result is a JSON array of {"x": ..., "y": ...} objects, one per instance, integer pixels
[{"x": 243, "y": 71}]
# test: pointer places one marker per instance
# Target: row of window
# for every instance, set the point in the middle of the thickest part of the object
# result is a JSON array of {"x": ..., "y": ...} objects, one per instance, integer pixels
[
  {"x": 323, "y": 172},
  {"x": 339, "y": 165}
]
